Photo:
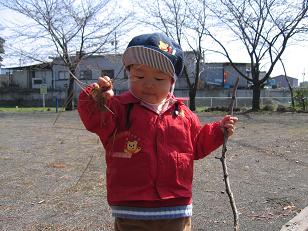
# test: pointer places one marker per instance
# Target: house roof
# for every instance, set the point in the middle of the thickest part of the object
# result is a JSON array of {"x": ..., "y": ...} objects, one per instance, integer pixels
[
  {"x": 36, "y": 66},
  {"x": 283, "y": 76},
  {"x": 226, "y": 63}
]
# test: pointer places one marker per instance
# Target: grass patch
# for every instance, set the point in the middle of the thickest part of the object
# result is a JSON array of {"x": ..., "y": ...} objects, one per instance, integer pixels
[
  {"x": 27, "y": 109},
  {"x": 218, "y": 110},
  {"x": 200, "y": 109}
]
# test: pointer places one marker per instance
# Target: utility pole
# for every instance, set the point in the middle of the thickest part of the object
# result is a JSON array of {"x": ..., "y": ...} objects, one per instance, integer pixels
[{"x": 115, "y": 42}]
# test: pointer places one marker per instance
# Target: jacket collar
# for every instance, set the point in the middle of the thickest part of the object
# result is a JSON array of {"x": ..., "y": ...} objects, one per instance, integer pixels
[{"x": 127, "y": 98}]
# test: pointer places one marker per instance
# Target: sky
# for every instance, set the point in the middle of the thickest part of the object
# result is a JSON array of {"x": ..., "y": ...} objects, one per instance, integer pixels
[{"x": 295, "y": 57}]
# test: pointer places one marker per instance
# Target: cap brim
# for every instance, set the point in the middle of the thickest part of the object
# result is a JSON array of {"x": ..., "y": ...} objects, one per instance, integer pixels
[{"x": 148, "y": 56}]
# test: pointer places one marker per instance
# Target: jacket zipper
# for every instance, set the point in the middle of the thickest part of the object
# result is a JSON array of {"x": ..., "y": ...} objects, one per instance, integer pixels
[
  {"x": 156, "y": 155},
  {"x": 158, "y": 119}
]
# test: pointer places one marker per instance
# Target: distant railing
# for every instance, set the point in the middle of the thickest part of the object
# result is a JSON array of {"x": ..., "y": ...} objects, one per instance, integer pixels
[{"x": 240, "y": 101}]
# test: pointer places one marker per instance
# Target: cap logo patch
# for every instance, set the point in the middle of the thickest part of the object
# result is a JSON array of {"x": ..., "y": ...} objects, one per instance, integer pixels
[{"x": 165, "y": 47}]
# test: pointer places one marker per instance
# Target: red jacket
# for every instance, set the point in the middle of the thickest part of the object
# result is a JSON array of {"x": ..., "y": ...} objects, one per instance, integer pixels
[{"x": 149, "y": 156}]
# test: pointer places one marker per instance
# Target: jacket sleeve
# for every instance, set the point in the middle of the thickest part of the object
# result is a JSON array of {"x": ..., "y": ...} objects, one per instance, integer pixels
[
  {"x": 208, "y": 138},
  {"x": 94, "y": 120}
]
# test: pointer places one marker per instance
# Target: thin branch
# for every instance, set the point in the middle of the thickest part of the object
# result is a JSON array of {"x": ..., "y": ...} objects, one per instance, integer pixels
[{"x": 236, "y": 225}]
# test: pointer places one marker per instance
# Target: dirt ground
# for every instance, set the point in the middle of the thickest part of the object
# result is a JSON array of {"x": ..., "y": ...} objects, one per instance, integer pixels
[{"x": 52, "y": 177}]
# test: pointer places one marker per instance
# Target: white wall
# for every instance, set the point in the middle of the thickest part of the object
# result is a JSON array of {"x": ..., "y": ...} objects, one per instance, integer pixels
[
  {"x": 46, "y": 76},
  {"x": 96, "y": 64},
  {"x": 20, "y": 77}
]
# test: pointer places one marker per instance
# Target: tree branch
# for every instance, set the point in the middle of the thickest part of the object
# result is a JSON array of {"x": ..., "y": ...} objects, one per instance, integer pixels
[{"x": 236, "y": 225}]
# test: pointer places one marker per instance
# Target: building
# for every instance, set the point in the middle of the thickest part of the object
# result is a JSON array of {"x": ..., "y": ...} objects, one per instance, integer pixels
[
  {"x": 281, "y": 81},
  {"x": 30, "y": 76},
  {"x": 223, "y": 75},
  {"x": 89, "y": 69},
  {"x": 304, "y": 84},
  {"x": 56, "y": 75}
]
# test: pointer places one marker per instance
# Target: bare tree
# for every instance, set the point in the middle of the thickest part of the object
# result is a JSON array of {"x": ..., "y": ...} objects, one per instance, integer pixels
[
  {"x": 196, "y": 27},
  {"x": 165, "y": 16},
  {"x": 264, "y": 28},
  {"x": 1, "y": 49},
  {"x": 185, "y": 22},
  {"x": 288, "y": 82},
  {"x": 71, "y": 29}
]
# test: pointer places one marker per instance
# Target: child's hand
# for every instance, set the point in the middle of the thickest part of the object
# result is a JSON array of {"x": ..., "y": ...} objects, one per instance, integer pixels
[
  {"x": 103, "y": 87},
  {"x": 228, "y": 123},
  {"x": 102, "y": 91}
]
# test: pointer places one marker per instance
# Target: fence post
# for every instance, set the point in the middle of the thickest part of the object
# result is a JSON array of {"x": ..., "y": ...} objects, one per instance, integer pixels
[{"x": 57, "y": 104}]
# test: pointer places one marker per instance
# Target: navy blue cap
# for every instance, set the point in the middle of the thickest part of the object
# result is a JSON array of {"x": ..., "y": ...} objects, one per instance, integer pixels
[{"x": 155, "y": 50}]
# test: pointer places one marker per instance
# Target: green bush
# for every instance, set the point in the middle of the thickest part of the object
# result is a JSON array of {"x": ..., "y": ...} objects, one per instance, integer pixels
[
  {"x": 269, "y": 107},
  {"x": 301, "y": 98},
  {"x": 282, "y": 108}
]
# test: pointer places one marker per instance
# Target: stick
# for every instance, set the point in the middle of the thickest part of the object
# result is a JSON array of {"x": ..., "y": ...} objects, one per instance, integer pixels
[
  {"x": 82, "y": 87},
  {"x": 83, "y": 172},
  {"x": 236, "y": 225}
]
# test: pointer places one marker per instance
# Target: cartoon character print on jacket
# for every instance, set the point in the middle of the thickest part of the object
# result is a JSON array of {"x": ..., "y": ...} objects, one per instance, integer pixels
[
  {"x": 126, "y": 145},
  {"x": 132, "y": 147}
]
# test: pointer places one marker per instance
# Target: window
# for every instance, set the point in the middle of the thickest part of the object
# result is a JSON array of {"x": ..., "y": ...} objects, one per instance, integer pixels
[
  {"x": 37, "y": 81},
  {"x": 87, "y": 74},
  {"x": 125, "y": 74},
  {"x": 62, "y": 75},
  {"x": 109, "y": 73}
]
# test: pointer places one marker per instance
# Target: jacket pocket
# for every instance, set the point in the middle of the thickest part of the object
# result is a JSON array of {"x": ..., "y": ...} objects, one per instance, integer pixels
[
  {"x": 183, "y": 164},
  {"x": 178, "y": 137}
]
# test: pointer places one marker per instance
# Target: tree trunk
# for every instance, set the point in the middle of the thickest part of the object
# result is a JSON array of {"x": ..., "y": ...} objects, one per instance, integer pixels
[
  {"x": 303, "y": 102},
  {"x": 70, "y": 95},
  {"x": 192, "y": 99},
  {"x": 291, "y": 91},
  {"x": 292, "y": 97},
  {"x": 256, "y": 97}
]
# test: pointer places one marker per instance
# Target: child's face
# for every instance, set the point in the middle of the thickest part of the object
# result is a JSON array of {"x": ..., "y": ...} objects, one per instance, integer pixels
[{"x": 149, "y": 84}]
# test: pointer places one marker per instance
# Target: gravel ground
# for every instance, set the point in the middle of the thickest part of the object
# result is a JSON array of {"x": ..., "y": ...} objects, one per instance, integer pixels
[{"x": 52, "y": 177}]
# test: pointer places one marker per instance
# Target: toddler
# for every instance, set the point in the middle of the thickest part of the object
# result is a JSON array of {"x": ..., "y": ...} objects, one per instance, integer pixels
[{"x": 150, "y": 137}]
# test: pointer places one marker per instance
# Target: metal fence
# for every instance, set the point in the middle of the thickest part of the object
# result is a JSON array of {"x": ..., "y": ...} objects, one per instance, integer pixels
[{"x": 240, "y": 101}]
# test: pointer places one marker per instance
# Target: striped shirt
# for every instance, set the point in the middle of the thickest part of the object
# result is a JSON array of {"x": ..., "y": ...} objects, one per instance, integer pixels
[{"x": 151, "y": 213}]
